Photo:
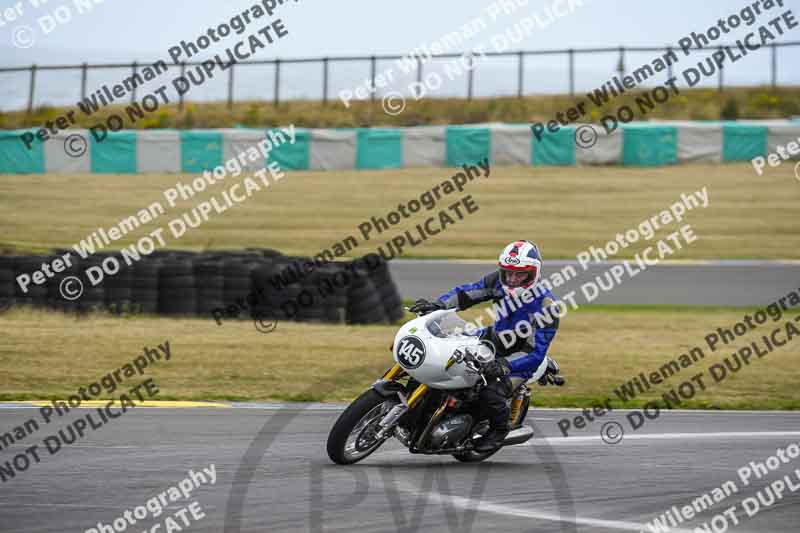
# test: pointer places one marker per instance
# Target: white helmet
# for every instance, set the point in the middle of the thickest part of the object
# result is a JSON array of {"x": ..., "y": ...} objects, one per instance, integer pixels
[{"x": 520, "y": 267}]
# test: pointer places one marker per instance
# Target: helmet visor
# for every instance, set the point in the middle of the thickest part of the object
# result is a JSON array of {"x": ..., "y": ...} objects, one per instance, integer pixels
[{"x": 518, "y": 277}]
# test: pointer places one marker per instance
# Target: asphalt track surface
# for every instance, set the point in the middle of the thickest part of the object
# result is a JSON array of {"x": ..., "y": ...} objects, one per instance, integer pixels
[
  {"x": 717, "y": 283},
  {"x": 271, "y": 458}
]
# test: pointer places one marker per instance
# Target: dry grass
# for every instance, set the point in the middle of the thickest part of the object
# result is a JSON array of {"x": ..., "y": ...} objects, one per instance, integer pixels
[
  {"x": 693, "y": 104},
  {"x": 564, "y": 209},
  {"x": 49, "y": 355}
]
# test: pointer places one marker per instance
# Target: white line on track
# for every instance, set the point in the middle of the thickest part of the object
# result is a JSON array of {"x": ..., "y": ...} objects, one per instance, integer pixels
[
  {"x": 665, "y": 436},
  {"x": 621, "y": 525},
  {"x": 468, "y": 504}
]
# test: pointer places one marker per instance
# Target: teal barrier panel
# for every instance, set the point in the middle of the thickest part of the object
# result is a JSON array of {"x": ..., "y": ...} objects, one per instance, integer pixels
[
  {"x": 115, "y": 154},
  {"x": 200, "y": 150},
  {"x": 16, "y": 158},
  {"x": 743, "y": 142},
  {"x": 555, "y": 149},
  {"x": 649, "y": 146},
  {"x": 467, "y": 145},
  {"x": 292, "y": 156},
  {"x": 379, "y": 148}
]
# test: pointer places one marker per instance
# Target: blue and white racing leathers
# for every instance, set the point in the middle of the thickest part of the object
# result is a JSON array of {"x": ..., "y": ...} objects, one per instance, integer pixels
[{"x": 528, "y": 327}]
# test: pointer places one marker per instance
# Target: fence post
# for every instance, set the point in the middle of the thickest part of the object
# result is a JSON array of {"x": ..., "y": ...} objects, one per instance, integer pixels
[
  {"x": 669, "y": 63},
  {"x": 230, "y": 87},
  {"x": 571, "y": 72},
  {"x": 83, "y": 80},
  {"x": 180, "y": 95},
  {"x": 774, "y": 69},
  {"x": 372, "y": 77},
  {"x": 520, "y": 72},
  {"x": 31, "y": 89},
  {"x": 276, "y": 99},
  {"x": 324, "y": 81},
  {"x": 470, "y": 78},
  {"x": 419, "y": 75},
  {"x": 621, "y": 64},
  {"x": 133, "y": 79}
]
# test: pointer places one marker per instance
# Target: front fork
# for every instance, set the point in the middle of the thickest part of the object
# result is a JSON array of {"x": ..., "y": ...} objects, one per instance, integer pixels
[
  {"x": 397, "y": 372},
  {"x": 514, "y": 418},
  {"x": 393, "y": 373},
  {"x": 389, "y": 420}
]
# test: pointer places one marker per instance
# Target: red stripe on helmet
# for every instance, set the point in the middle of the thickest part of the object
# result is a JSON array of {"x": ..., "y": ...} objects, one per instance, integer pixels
[
  {"x": 523, "y": 268},
  {"x": 515, "y": 250}
]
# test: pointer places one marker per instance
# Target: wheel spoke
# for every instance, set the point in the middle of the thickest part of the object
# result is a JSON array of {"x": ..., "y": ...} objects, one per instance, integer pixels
[{"x": 355, "y": 447}]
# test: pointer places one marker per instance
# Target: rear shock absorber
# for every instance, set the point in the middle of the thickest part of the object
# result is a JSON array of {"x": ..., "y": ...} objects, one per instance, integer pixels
[{"x": 516, "y": 406}]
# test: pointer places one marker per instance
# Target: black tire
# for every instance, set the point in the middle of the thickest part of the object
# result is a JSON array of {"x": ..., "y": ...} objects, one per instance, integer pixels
[
  {"x": 119, "y": 287},
  {"x": 335, "y": 315},
  {"x": 177, "y": 289},
  {"x": 144, "y": 286},
  {"x": 36, "y": 295},
  {"x": 364, "y": 304},
  {"x": 93, "y": 298},
  {"x": 237, "y": 283},
  {"x": 285, "y": 304},
  {"x": 347, "y": 421},
  {"x": 474, "y": 457},
  {"x": 7, "y": 283},
  {"x": 208, "y": 275}
]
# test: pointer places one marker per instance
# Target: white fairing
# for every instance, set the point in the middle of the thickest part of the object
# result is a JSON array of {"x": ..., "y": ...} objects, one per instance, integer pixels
[{"x": 423, "y": 348}]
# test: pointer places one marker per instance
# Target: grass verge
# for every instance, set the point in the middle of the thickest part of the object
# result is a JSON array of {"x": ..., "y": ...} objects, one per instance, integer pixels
[
  {"x": 565, "y": 210},
  {"x": 691, "y": 104},
  {"x": 46, "y": 355}
]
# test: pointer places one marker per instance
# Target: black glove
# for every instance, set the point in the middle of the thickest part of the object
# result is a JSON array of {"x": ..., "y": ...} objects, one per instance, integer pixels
[
  {"x": 551, "y": 376},
  {"x": 423, "y": 307},
  {"x": 497, "y": 368}
]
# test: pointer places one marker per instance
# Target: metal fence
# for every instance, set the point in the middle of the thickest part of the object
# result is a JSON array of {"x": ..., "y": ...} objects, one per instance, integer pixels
[{"x": 325, "y": 63}]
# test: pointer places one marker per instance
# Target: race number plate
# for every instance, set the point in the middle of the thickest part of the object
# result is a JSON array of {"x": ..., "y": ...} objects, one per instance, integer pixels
[{"x": 410, "y": 352}]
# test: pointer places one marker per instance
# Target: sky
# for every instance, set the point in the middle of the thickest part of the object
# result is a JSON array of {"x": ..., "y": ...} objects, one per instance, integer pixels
[{"x": 143, "y": 30}]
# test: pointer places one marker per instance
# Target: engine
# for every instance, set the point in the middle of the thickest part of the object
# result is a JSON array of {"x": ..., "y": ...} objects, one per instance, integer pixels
[{"x": 450, "y": 432}]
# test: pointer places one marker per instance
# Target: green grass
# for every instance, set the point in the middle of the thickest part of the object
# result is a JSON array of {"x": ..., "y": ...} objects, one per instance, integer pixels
[
  {"x": 46, "y": 355},
  {"x": 563, "y": 209},
  {"x": 691, "y": 104}
]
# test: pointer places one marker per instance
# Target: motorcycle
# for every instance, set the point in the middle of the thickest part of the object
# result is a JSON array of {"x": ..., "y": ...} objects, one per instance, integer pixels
[{"x": 427, "y": 400}]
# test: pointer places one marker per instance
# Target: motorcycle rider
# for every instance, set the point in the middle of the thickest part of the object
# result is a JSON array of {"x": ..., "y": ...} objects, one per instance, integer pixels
[{"x": 513, "y": 290}]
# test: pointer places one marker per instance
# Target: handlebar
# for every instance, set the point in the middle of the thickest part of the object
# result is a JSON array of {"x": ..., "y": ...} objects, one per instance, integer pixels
[
  {"x": 475, "y": 366},
  {"x": 471, "y": 361}
]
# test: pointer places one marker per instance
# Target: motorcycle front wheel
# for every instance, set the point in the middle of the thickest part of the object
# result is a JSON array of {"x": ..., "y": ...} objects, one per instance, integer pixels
[{"x": 353, "y": 436}]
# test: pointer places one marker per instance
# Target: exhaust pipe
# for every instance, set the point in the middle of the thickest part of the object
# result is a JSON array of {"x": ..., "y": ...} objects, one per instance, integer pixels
[{"x": 518, "y": 436}]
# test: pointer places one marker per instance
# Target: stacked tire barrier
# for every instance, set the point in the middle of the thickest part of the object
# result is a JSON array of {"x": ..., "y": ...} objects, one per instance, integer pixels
[{"x": 224, "y": 285}]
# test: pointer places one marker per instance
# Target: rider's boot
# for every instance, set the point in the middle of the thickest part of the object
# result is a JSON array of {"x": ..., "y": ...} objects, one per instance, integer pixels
[
  {"x": 492, "y": 440},
  {"x": 495, "y": 408}
]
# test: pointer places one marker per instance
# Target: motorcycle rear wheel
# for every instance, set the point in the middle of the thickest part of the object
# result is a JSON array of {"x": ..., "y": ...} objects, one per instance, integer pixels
[
  {"x": 349, "y": 439},
  {"x": 474, "y": 457}
]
